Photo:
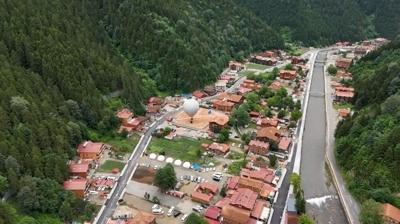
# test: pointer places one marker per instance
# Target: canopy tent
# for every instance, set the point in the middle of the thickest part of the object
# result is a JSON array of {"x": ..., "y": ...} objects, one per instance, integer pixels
[
  {"x": 178, "y": 162},
  {"x": 169, "y": 160},
  {"x": 186, "y": 165},
  {"x": 161, "y": 158},
  {"x": 153, "y": 156}
]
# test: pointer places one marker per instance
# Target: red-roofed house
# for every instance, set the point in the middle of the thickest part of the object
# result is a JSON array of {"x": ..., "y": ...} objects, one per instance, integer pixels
[
  {"x": 250, "y": 84},
  {"x": 244, "y": 198},
  {"x": 287, "y": 74},
  {"x": 79, "y": 169},
  {"x": 207, "y": 188},
  {"x": 199, "y": 94},
  {"x": 344, "y": 63},
  {"x": 234, "y": 215},
  {"x": 124, "y": 115},
  {"x": 264, "y": 175},
  {"x": 391, "y": 214},
  {"x": 344, "y": 112},
  {"x": 258, "y": 147},
  {"x": 298, "y": 60},
  {"x": 223, "y": 105},
  {"x": 268, "y": 122},
  {"x": 91, "y": 150},
  {"x": 344, "y": 94},
  {"x": 268, "y": 134},
  {"x": 236, "y": 66},
  {"x": 263, "y": 60},
  {"x": 258, "y": 209},
  {"x": 218, "y": 123},
  {"x": 217, "y": 148},
  {"x": 284, "y": 144},
  {"x": 77, "y": 186},
  {"x": 275, "y": 86},
  {"x": 232, "y": 182},
  {"x": 213, "y": 213},
  {"x": 201, "y": 198}
]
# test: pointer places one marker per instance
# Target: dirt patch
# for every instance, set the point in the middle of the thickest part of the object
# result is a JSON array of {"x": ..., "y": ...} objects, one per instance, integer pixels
[{"x": 144, "y": 175}]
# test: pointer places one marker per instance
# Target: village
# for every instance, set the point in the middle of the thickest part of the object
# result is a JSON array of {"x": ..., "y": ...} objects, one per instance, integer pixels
[{"x": 228, "y": 144}]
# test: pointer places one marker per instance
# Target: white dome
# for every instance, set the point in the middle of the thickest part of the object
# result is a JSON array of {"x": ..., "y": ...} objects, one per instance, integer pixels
[{"x": 190, "y": 107}]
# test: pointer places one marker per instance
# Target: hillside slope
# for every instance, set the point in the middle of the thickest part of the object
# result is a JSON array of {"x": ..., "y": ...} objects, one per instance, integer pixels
[
  {"x": 60, "y": 61},
  {"x": 368, "y": 143},
  {"x": 185, "y": 44},
  {"x": 313, "y": 22}
]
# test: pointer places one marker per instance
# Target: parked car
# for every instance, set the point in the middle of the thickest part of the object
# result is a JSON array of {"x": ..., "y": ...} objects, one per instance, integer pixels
[
  {"x": 217, "y": 176},
  {"x": 156, "y": 209},
  {"x": 184, "y": 217},
  {"x": 176, "y": 213},
  {"x": 198, "y": 209},
  {"x": 171, "y": 211}
]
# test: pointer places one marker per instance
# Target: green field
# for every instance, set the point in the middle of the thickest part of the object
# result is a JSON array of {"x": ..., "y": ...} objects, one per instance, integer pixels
[
  {"x": 256, "y": 66},
  {"x": 123, "y": 144},
  {"x": 245, "y": 73},
  {"x": 111, "y": 164},
  {"x": 235, "y": 167},
  {"x": 184, "y": 149},
  {"x": 342, "y": 106}
]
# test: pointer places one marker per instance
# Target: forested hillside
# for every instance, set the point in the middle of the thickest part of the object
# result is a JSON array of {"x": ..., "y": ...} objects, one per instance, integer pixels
[
  {"x": 184, "y": 44},
  {"x": 313, "y": 22},
  {"x": 61, "y": 60},
  {"x": 384, "y": 14},
  {"x": 316, "y": 22},
  {"x": 368, "y": 143}
]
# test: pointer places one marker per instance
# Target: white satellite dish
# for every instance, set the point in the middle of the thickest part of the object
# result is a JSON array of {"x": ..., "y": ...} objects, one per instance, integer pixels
[{"x": 191, "y": 106}]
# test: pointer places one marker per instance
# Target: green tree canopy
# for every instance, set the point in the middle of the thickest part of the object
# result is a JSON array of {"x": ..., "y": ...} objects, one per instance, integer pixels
[{"x": 165, "y": 177}]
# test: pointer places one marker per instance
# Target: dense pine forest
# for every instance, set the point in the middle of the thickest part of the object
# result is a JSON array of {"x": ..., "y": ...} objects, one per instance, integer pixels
[
  {"x": 183, "y": 44},
  {"x": 60, "y": 61},
  {"x": 367, "y": 146},
  {"x": 315, "y": 22}
]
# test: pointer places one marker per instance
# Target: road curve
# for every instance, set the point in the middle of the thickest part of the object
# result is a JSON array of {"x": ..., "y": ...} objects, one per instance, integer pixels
[{"x": 322, "y": 204}]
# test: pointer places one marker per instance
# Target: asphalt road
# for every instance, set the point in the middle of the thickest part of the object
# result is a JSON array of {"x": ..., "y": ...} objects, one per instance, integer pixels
[
  {"x": 111, "y": 203},
  {"x": 322, "y": 199}
]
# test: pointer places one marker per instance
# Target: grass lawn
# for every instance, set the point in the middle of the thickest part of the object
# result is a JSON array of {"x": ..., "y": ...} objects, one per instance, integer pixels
[
  {"x": 235, "y": 155},
  {"x": 256, "y": 66},
  {"x": 123, "y": 144},
  {"x": 245, "y": 73},
  {"x": 108, "y": 165},
  {"x": 235, "y": 167},
  {"x": 342, "y": 106},
  {"x": 184, "y": 149},
  {"x": 252, "y": 125}
]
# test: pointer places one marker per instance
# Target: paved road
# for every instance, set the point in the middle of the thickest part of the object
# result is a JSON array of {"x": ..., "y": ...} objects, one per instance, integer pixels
[
  {"x": 280, "y": 204},
  {"x": 349, "y": 203},
  {"x": 111, "y": 203},
  {"x": 321, "y": 196}
]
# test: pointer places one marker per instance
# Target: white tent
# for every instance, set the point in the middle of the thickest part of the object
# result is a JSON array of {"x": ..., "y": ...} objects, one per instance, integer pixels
[
  {"x": 161, "y": 158},
  {"x": 177, "y": 162},
  {"x": 153, "y": 156},
  {"x": 186, "y": 165},
  {"x": 169, "y": 160}
]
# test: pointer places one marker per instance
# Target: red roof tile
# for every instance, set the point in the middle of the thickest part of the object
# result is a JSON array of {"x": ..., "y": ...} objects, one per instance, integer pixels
[
  {"x": 78, "y": 168},
  {"x": 260, "y": 144},
  {"x": 391, "y": 212},
  {"x": 92, "y": 147},
  {"x": 76, "y": 184},
  {"x": 124, "y": 113},
  {"x": 209, "y": 187},
  {"x": 284, "y": 143},
  {"x": 212, "y": 212},
  {"x": 258, "y": 209},
  {"x": 244, "y": 198},
  {"x": 232, "y": 182}
]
